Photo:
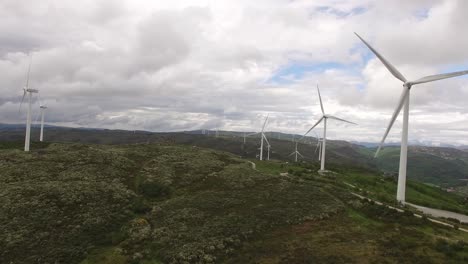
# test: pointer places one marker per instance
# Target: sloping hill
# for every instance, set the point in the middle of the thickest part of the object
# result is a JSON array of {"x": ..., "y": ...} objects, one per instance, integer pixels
[{"x": 164, "y": 203}]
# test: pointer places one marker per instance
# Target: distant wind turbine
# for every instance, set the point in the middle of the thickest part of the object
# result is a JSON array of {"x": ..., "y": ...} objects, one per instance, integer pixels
[
  {"x": 27, "y": 90},
  {"x": 404, "y": 100},
  {"x": 43, "y": 108},
  {"x": 295, "y": 153},
  {"x": 262, "y": 137},
  {"x": 324, "y": 117}
]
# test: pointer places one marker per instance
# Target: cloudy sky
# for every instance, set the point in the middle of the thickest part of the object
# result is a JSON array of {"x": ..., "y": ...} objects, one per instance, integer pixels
[{"x": 183, "y": 65}]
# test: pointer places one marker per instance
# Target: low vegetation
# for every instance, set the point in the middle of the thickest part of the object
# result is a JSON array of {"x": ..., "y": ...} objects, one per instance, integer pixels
[{"x": 164, "y": 203}]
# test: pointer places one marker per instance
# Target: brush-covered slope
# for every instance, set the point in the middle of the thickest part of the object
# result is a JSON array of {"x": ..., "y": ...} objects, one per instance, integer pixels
[
  {"x": 59, "y": 202},
  {"x": 74, "y": 203}
]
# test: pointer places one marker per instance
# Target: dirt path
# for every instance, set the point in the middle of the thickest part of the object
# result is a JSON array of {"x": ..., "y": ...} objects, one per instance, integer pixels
[{"x": 253, "y": 165}]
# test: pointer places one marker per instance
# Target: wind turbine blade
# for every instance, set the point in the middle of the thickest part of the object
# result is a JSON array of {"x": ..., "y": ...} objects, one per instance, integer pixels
[
  {"x": 437, "y": 77},
  {"x": 266, "y": 139},
  {"x": 251, "y": 134},
  {"x": 403, "y": 97},
  {"x": 22, "y": 99},
  {"x": 387, "y": 64},
  {"x": 316, "y": 148},
  {"x": 29, "y": 71},
  {"x": 300, "y": 154},
  {"x": 266, "y": 120},
  {"x": 292, "y": 154},
  {"x": 318, "y": 122},
  {"x": 39, "y": 99},
  {"x": 320, "y": 98},
  {"x": 339, "y": 119},
  {"x": 37, "y": 117}
]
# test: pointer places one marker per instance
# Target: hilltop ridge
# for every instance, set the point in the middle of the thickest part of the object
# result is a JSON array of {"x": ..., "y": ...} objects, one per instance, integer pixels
[{"x": 441, "y": 166}]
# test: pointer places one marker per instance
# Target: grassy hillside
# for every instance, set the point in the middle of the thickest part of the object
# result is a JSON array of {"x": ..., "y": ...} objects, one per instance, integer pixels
[{"x": 164, "y": 203}]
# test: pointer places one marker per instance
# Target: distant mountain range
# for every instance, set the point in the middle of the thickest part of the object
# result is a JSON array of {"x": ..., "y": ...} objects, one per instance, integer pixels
[
  {"x": 411, "y": 143},
  {"x": 442, "y": 166},
  {"x": 277, "y": 135}
]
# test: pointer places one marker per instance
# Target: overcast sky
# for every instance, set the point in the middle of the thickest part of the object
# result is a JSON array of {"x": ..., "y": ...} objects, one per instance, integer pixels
[{"x": 184, "y": 65}]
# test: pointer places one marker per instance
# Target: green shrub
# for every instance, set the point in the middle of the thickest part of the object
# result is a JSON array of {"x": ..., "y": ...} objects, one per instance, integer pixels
[
  {"x": 140, "y": 205},
  {"x": 154, "y": 189}
]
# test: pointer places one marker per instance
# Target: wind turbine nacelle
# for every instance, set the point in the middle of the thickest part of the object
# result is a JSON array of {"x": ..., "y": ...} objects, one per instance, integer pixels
[{"x": 32, "y": 90}]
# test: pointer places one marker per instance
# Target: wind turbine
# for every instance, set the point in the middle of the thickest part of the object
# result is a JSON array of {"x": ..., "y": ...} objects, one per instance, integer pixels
[
  {"x": 262, "y": 137},
  {"x": 43, "y": 108},
  {"x": 295, "y": 153},
  {"x": 404, "y": 101},
  {"x": 27, "y": 90},
  {"x": 324, "y": 117},
  {"x": 319, "y": 146}
]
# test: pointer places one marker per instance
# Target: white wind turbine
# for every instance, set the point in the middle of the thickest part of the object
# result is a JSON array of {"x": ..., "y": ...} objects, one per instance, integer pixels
[
  {"x": 262, "y": 138},
  {"x": 43, "y": 108},
  {"x": 404, "y": 100},
  {"x": 324, "y": 117},
  {"x": 29, "y": 91},
  {"x": 295, "y": 153}
]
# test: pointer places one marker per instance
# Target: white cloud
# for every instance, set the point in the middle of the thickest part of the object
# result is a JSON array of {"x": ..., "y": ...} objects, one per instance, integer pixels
[{"x": 179, "y": 65}]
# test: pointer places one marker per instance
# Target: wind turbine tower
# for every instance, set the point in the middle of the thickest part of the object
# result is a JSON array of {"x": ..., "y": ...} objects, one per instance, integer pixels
[
  {"x": 262, "y": 136},
  {"x": 43, "y": 108}
]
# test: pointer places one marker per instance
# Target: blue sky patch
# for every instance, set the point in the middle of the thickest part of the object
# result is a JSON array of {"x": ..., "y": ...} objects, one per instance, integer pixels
[
  {"x": 422, "y": 13},
  {"x": 339, "y": 13},
  {"x": 456, "y": 68},
  {"x": 296, "y": 70}
]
